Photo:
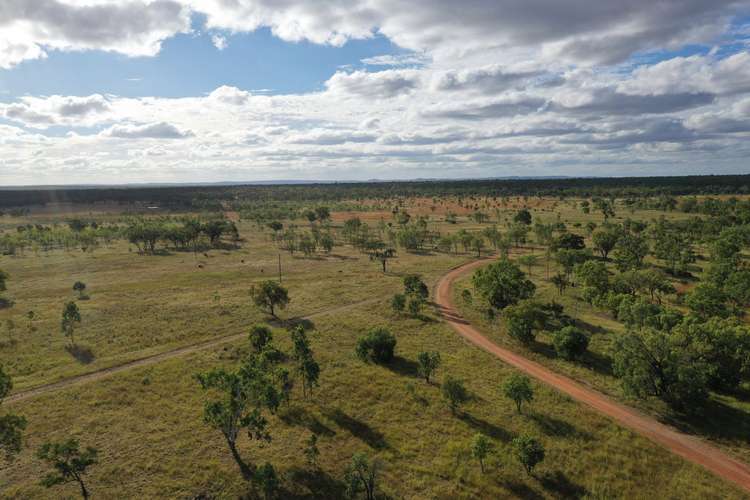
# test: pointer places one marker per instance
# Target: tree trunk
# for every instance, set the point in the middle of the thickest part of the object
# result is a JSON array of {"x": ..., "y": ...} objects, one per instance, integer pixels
[
  {"x": 84, "y": 491},
  {"x": 244, "y": 469}
]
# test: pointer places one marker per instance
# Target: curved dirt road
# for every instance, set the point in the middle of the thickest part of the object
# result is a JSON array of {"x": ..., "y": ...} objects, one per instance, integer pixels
[{"x": 688, "y": 447}]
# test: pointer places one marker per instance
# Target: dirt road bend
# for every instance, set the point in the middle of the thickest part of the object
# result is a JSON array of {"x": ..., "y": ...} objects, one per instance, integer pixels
[{"x": 688, "y": 447}]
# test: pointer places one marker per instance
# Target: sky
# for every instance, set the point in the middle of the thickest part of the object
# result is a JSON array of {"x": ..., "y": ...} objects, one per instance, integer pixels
[{"x": 128, "y": 91}]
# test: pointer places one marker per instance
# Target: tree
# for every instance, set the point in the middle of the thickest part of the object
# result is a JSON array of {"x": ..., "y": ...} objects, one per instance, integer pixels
[
  {"x": 523, "y": 217},
  {"x": 737, "y": 288},
  {"x": 529, "y": 261},
  {"x": 413, "y": 285},
  {"x": 652, "y": 363},
  {"x": 322, "y": 213},
  {"x": 243, "y": 394},
  {"x": 454, "y": 392},
  {"x": 398, "y": 302},
  {"x": 265, "y": 477},
  {"x": 561, "y": 282},
  {"x": 706, "y": 300},
  {"x": 518, "y": 388},
  {"x": 4, "y": 277},
  {"x": 307, "y": 367},
  {"x": 414, "y": 305},
  {"x": 383, "y": 255},
  {"x": 522, "y": 319},
  {"x": 260, "y": 337},
  {"x": 69, "y": 462},
  {"x": 528, "y": 451},
  {"x": 311, "y": 450},
  {"x": 477, "y": 244},
  {"x": 480, "y": 448},
  {"x": 79, "y": 286},
  {"x": 630, "y": 251},
  {"x": 270, "y": 295},
  {"x": 377, "y": 346},
  {"x": 428, "y": 364},
  {"x": 11, "y": 426},
  {"x": 570, "y": 342},
  {"x": 70, "y": 317},
  {"x": 502, "y": 284},
  {"x": 362, "y": 476},
  {"x": 606, "y": 207},
  {"x": 605, "y": 239},
  {"x": 594, "y": 278},
  {"x": 569, "y": 241}
]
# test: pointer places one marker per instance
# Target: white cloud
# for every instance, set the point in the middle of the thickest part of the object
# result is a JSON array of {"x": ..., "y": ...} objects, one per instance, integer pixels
[
  {"x": 160, "y": 130},
  {"x": 219, "y": 42}
]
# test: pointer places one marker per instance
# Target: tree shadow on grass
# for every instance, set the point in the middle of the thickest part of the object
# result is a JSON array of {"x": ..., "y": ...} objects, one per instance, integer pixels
[
  {"x": 553, "y": 426},
  {"x": 82, "y": 354},
  {"x": 299, "y": 416},
  {"x": 361, "y": 430},
  {"x": 403, "y": 366},
  {"x": 717, "y": 420},
  {"x": 522, "y": 490},
  {"x": 5, "y": 303},
  {"x": 315, "y": 483},
  {"x": 487, "y": 428},
  {"x": 559, "y": 483}
]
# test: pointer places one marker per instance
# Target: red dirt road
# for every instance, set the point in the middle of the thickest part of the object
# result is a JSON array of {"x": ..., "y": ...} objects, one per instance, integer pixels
[{"x": 688, "y": 447}]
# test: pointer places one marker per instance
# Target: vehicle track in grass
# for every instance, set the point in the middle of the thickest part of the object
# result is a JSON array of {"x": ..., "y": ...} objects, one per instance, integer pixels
[
  {"x": 162, "y": 356},
  {"x": 688, "y": 447}
]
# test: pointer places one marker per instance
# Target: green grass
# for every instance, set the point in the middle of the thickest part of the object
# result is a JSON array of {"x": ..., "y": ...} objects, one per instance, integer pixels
[{"x": 147, "y": 422}]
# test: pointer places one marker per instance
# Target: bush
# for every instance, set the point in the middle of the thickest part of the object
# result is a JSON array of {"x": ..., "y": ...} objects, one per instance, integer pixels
[
  {"x": 377, "y": 346},
  {"x": 398, "y": 302},
  {"x": 570, "y": 342}
]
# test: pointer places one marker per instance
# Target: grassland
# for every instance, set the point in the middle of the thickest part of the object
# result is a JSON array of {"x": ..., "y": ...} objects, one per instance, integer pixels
[{"x": 147, "y": 422}]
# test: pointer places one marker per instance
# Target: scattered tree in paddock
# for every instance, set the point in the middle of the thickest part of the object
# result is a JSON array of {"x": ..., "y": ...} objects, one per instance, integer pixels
[
  {"x": 398, "y": 302},
  {"x": 11, "y": 426},
  {"x": 270, "y": 295},
  {"x": 307, "y": 368},
  {"x": 266, "y": 479},
  {"x": 568, "y": 241},
  {"x": 69, "y": 462},
  {"x": 630, "y": 251},
  {"x": 481, "y": 446},
  {"x": 414, "y": 305},
  {"x": 413, "y": 285},
  {"x": 561, "y": 282},
  {"x": 377, "y": 346},
  {"x": 428, "y": 364},
  {"x": 260, "y": 337},
  {"x": 454, "y": 393},
  {"x": 311, "y": 450},
  {"x": 528, "y": 260},
  {"x": 523, "y": 319},
  {"x": 528, "y": 451},
  {"x": 518, "y": 388},
  {"x": 80, "y": 287},
  {"x": 570, "y": 343},
  {"x": 71, "y": 316},
  {"x": 243, "y": 394},
  {"x": 362, "y": 476},
  {"x": 477, "y": 244},
  {"x": 523, "y": 216},
  {"x": 383, "y": 255}
]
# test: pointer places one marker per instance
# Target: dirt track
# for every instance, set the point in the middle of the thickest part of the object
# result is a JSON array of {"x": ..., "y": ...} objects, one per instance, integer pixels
[
  {"x": 688, "y": 447},
  {"x": 156, "y": 358}
]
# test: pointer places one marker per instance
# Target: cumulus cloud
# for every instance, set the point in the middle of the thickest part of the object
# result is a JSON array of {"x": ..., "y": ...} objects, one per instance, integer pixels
[
  {"x": 57, "y": 110},
  {"x": 694, "y": 74},
  {"x": 379, "y": 85},
  {"x": 160, "y": 130},
  {"x": 29, "y": 28},
  {"x": 230, "y": 95}
]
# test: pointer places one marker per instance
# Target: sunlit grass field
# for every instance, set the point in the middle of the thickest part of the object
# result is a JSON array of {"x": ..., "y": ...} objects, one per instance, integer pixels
[{"x": 147, "y": 422}]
